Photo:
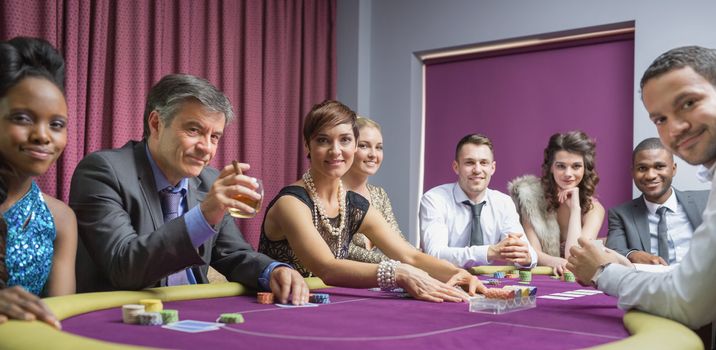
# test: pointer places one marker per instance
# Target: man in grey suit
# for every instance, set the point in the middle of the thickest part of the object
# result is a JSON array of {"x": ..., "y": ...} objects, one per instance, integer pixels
[
  {"x": 152, "y": 213},
  {"x": 634, "y": 226}
]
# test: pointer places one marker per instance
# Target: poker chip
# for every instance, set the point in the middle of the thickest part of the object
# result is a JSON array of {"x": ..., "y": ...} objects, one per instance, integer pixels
[
  {"x": 509, "y": 294},
  {"x": 497, "y": 293},
  {"x": 498, "y": 274},
  {"x": 319, "y": 298},
  {"x": 130, "y": 312},
  {"x": 264, "y": 298},
  {"x": 569, "y": 277},
  {"x": 150, "y": 318},
  {"x": 525, "y": 276},
  {"x": 523, "y": 291},
  {"x": 169, "y": 316},
  {"x": 512, "y": 276},
  {"x": 152, "y": 305},
  {"x": 231, "y": 318},
  {"x": 492, "y": 282}
]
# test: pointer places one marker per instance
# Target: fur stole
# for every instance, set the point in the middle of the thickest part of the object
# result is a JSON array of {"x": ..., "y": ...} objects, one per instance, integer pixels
[{"x": 528, "y": 195}]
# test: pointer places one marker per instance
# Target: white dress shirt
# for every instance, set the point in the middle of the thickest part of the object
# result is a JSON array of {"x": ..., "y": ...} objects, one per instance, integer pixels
[
  {"x": 686, "y": 293},
  {"x": 445, "y": 224},
  {"x": 678, "y": 228}
]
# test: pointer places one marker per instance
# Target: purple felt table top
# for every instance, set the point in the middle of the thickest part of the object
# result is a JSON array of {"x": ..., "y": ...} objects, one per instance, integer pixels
[{"x": 364, "y": 319}]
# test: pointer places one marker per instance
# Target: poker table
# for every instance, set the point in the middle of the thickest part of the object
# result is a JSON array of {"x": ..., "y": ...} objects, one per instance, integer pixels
[{"x": 355, "y": 319}]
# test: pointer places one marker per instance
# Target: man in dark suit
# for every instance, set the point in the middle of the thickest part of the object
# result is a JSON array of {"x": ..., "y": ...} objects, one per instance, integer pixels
[
  {"x": 634, "y": 226},
  {"x": 152, "y": 213}
]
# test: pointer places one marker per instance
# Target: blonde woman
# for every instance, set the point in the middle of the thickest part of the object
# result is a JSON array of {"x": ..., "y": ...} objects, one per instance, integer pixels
[{"x": 367, "y": 161}]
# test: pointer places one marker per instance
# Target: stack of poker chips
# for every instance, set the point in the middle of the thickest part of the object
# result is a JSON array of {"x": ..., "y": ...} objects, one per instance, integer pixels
[
  {"x": 264, "y": 298},
  {"x": 150, "y": 318},
  {"x": 152, "y": 305},
  {"x": 498, "y": 274},
  {"x": 497, "y": 293},
  {"x": 525, "y": 276},
  {"x": 510, "y": 292},
  {"x": 169, "y": 316},
  {"x": 526, "y": 291},
  {"x": 130, "y": 312},
  {"x": 231, "y": 318},
  {"x": 568, "y": 277},
  {"x": 319, "y": 298},
  {"x": 492, "y": 282}
]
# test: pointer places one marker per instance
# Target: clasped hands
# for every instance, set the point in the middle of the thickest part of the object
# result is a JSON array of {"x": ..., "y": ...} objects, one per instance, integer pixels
[{"x": 511, "y": 249}]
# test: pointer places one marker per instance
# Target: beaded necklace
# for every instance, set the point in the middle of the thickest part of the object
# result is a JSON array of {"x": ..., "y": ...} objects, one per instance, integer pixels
[{"x": 319, "y": 212}]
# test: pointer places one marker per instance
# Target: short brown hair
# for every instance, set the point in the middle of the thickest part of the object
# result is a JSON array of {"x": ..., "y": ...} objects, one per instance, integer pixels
[
  {"x": 702, "y": 60},
  {"x": 170, "y": 93},
  {"x": 475, "y": 139},
  {"x": 328, "y": 114}
]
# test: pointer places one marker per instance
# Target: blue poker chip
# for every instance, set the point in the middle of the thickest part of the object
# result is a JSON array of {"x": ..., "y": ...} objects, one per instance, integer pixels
[{"x": 319, "y": 298}]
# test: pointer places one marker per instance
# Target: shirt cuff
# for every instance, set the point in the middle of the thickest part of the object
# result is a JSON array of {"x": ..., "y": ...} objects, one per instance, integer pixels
[
  {"x": 608, "y": 280},
  {"x": 199, "y": 230},
  {"x": 479, "y": 253},
  {"x": 531, "y": 265},
  {"x": 533, "y": 258},
  {"x": 629, "y": 252},
  {"x": 265, "y": 277}
]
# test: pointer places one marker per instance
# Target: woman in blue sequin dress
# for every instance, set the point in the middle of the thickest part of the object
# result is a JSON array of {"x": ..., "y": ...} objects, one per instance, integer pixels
[{"x": 41, "y": 238}]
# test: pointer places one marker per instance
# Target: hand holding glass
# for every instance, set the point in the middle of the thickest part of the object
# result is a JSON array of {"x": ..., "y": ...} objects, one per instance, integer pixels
[{"x": 253, "y": 203}]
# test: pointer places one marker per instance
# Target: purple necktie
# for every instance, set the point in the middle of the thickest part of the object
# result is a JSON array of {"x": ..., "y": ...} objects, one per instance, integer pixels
[{"x": 170, "y": 207}]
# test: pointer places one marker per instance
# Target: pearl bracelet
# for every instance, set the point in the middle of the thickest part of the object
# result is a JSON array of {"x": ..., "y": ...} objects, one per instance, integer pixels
[{"x": 386, "y": 275}]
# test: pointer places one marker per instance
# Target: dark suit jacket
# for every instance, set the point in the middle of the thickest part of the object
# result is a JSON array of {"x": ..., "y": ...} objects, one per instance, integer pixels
[
  {"x": 124, "y": 242},
  {"x": 629, "y": 223}
]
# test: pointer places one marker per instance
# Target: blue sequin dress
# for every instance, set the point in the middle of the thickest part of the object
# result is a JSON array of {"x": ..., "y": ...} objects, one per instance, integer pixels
[{"x": 30, "y": 241}]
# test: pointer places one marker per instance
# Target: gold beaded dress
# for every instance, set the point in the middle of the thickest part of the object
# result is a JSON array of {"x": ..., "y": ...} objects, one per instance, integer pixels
[{"x": 357, "y": 250}]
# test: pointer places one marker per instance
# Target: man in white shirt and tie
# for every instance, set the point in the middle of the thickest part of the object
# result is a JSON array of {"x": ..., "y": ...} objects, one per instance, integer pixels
[
  {"x": 469, "y": 224},
  {"x": 679, "y": 92}
]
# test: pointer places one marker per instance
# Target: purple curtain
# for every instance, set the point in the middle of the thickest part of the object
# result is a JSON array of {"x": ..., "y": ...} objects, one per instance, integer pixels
[{"x": 273, "y": 59}]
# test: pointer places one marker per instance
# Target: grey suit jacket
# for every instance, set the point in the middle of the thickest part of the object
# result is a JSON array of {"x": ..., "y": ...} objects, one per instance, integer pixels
[
  {"x": 124, "y": 241},
  {"x": 629, "y": 223}
]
